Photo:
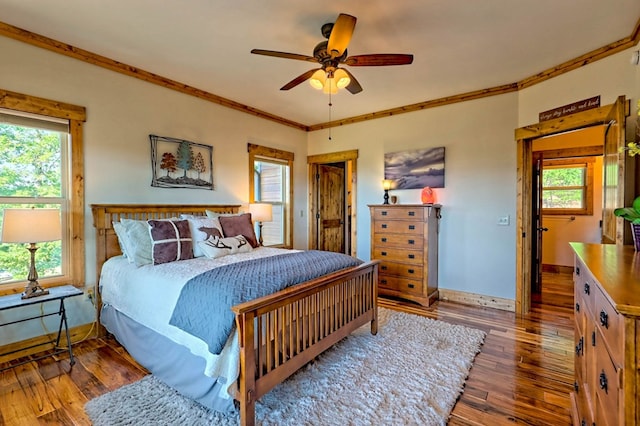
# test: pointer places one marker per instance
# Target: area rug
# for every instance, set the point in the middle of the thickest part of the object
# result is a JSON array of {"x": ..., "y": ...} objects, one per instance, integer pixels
[{"x": 410, "y": 373}]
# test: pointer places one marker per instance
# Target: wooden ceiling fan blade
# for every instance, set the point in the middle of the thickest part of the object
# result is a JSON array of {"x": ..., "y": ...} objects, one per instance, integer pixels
[
  {"x": 299, "y": 79},
  {"x": 284, "y": 55},
  {"x": 353, "y": 87},
  {"x": 379, "y": 59},
  {"x": 341, "y": 35}
]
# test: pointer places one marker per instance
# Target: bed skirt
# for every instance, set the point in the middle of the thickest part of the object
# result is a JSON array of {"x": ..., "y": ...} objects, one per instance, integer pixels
[{"x": 160, "y": 355}]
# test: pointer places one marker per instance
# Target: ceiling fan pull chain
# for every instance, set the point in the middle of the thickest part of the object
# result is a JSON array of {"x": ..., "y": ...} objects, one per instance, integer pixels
[{"x": 330, "y": 105}]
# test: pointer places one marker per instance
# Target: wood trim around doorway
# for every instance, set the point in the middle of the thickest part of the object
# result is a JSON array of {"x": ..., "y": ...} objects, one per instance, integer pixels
[
  {"x": 351, "y": 157},
  {"x": 524, "y": 208}
]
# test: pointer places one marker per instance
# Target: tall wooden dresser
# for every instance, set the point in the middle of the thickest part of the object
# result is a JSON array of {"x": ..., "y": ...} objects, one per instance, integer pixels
[
  {"x": 607, "y": 335},
  {"x": 404, "y": 237}
]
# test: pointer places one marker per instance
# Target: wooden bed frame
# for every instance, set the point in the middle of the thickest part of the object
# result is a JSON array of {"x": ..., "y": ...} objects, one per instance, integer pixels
[{"x": 278, "y": 333}]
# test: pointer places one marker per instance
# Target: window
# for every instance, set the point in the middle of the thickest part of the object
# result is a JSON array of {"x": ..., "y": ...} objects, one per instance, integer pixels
[
  {"x": 41, "y": 167},
  {"x": 567, "y": 186},
  {"x": 270, "y": 182}
]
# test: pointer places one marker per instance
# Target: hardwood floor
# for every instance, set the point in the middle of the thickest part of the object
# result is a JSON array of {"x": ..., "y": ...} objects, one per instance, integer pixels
[{"x": 523, "y": 375}]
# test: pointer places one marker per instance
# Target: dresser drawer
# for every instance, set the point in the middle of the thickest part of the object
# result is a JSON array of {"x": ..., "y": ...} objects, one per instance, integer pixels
[
  {"x": 403, "y": 285},
  {"x": 607, "y": 386},
  {"x": 584, "y": 287},
  {"x": 409, "y": 213},
  {"x": 399, "y": 227},
  {"x": 414, "y": 257},
  {"x": 402, "y": 269},
  {"x": 409, "y": 241},
  {"x": 611, "y": 324}
]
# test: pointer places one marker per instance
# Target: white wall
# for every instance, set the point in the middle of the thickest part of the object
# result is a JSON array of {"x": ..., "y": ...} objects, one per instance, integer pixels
[
  {"x": 476, "y": 255},
  {"x": 121, "y": 113}
]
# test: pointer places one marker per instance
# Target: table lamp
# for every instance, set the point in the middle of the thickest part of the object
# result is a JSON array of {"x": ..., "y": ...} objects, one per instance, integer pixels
[
  {"x": 386, "y": 185},
  {"x": 261, "y": 212},
  {"x": 31, "y": 226}
]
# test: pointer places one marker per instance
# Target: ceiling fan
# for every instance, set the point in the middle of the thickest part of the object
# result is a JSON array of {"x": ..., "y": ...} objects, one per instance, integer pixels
[{"x": 332, "y": 53}]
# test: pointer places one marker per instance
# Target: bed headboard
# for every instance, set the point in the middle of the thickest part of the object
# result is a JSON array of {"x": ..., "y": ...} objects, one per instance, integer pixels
[{"x": 105, "y": 214}]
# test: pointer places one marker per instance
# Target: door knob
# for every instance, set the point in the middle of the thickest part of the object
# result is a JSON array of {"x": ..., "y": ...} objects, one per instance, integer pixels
[{"x": 543, "y": 229}]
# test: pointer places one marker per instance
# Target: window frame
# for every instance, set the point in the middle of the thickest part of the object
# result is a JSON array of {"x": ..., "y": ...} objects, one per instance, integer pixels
[
  {"x": 587, "y": 163},
  {"x": 73, "y": 235},
  {"x": 273, "y": 155}
]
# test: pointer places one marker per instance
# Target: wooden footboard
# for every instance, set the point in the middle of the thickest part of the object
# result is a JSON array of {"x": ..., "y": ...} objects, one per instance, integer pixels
[{"x": 282, "y": 332}]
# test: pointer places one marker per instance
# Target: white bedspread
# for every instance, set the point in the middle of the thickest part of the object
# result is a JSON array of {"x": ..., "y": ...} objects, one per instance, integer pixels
[{"x": 148, "y": 295}]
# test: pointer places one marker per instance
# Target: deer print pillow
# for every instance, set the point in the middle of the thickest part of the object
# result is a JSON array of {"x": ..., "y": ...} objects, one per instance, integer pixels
[
  {"x": 202, "y": 228},
  {"x": 217, "y": 247}
]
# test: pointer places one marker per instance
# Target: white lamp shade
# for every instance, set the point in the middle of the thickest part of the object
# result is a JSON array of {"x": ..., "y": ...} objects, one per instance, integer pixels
[
  {"x": 342, "y": 78},
  {"x": 31, "y": 225},
  {"x": 330, "y": 86},
  {"x": 261, "y": 212},
  {"x": 317, "y": 79}
]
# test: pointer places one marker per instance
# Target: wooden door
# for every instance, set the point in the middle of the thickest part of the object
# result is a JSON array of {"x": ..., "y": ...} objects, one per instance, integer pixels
[
  {"x": 331, "y": 202},
  {"x": 613, "y": 190},
  {"x": 538, "y": 229}
]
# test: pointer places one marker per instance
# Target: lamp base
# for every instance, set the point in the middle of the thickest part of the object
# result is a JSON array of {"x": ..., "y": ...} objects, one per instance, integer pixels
[
  {"x": 33, "y": 289},
  {"x": 260, "y": 241}
]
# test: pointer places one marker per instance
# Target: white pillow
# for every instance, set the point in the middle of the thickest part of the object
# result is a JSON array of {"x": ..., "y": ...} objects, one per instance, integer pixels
[
  {"x": 202, "y": 228},
  {"x": 139, "y": 247},
  {"x": 212, "y": 214},
  {"x": 123, "y": 240},
  {"x": 217, "y": 247}
]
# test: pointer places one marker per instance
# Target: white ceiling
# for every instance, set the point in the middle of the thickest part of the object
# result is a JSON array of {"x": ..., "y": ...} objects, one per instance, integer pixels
[{"x": 458, "y": 45}]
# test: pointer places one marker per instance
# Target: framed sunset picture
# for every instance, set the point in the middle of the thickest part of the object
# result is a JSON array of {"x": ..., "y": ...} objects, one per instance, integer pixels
[{"x": 416, "y": 168}]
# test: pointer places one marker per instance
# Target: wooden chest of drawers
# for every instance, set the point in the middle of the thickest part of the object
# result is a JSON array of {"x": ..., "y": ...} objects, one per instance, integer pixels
[
  {"x": 404, "y": 237},
  {"x": 607, "y": 335}
]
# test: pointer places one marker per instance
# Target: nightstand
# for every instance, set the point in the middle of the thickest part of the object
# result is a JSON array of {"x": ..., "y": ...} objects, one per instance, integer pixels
[{"x": 15, "y": 301}]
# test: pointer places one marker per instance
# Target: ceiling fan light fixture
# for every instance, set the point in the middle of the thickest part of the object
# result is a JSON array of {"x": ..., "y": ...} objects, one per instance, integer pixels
[
  {"x": 342, "y": 78},
  {"x": 330, "y": 86},
  {"x": 318, "y": 79}
]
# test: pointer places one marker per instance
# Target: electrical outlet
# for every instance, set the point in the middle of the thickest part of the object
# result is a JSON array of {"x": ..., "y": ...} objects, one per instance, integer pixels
[
  {"x": 503, "y": 220},
  {"x": 90, "y": 296}
]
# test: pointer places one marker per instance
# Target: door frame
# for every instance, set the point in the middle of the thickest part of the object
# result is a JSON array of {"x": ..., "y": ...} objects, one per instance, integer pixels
[
  {"x": 350, "y": 158},
  {"x": 524, "y": 209}
]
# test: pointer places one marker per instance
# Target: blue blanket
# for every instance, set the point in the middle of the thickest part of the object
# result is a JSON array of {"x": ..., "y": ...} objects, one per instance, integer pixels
[{"x": 203, "y": 307}]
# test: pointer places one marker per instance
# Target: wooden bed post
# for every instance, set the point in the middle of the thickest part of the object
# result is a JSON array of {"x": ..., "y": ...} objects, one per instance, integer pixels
[{"x": 247, "y": 379}]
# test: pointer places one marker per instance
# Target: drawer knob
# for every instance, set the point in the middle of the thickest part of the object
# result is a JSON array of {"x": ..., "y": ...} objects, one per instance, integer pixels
[
  {"x": 383, "y": 213},
  {"x": 411, "y": 271},
  {"x": 412, "y": 227},
  {"x": 604, "y": 319},
  {"x": 383, "y": 281},
  {"x": 577, "y": 270},
  {"x": 411, "y": 241},
  {"x": 383, "y": 267},
  {"x": 384, "y": 240},
  {"x": 603, "y": 381},
  {"x": 587, "y": 289},
  {"x": 411, "y": 286},
  {"x": 384, "y": 226},
  {"x": 383, "y": 253},
  {"x": 412, "y": 213},
  {"x": 576, "y": 386},
  {"x": 593, "y": 338},
  {"x": 412, "y": 256},
  {"x": 577, "y": 307}
]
